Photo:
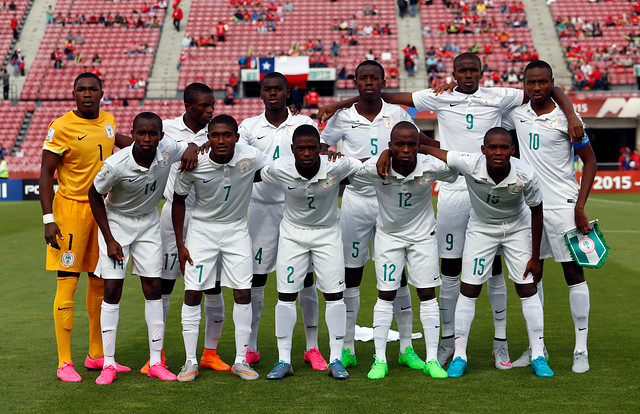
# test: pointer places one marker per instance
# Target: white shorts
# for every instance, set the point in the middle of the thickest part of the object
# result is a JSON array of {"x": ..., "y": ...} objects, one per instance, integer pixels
[
  {"x": 482, "y": 243},
  {"x": 452, "y": 217},
  {"x": 209, "y": 242},
  {"x": 298, "y": 246},
  {"x": 358, "y": 225},
  {"x": 170, "y": 263},
  {"x": 393, "y": 253},
  {"x": 264, "y": 225},
  {"x": 553, "y": 244},
  {"x": 137, "y": 235}
]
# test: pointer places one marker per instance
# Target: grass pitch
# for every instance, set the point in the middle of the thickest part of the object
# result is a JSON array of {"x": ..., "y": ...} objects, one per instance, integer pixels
[{"x": 28, "y": 355}]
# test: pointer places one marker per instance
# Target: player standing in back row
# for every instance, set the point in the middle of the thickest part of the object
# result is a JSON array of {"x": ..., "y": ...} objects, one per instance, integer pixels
[
  {"x": 271, "y": 133},
  {"x": 74, "y": 148},
  {"x": 545, "y": 144}
]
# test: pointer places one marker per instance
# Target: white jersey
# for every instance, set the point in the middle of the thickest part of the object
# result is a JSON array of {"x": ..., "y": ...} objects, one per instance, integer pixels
[
  {"x": 463, "y": 119},
  {"x": 178, "y": 131},
  {"x": 406, "y": 211},
  {"x": 274, "y": 142},
  {"x": 222, "y": 191},
  {"x": 362, "y": 138},
  {"x": 311, "y": 203},
  {"x": 135, "y": 190},
  {"x": 502, "y": 202},
  {"x": 546, "y": 146}
]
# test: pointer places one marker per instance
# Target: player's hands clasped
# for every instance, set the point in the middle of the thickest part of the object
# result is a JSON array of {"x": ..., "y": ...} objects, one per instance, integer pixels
[
  {"x": 582, "y": 221},
  {"x": 51, "y": 234}
]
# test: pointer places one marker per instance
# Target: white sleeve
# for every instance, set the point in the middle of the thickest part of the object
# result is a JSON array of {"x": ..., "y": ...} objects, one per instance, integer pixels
[
  {"x": 184, "y": 181},
  {"x": 332, "y": 133},
  {"x": 443, "y": 172},
  {"x": 269, "y": 174},
  {"x": 461, "y": 161},
  {"x": 176, "y": 149},
  {"x": 425, "y": 100},
  {"x": 244, "y": 132},
  {"x": 106, "y": 178},
  {"x": 508, "y": 119},
  {"x": 261, "y": 160},
  {"x": 363, "y": 176},
  {"x": 509, "y": 97},
  {"x": 532, "y": 193}
]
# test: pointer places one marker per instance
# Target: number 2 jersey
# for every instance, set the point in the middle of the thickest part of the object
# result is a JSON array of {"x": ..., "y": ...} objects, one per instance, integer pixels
[{"x": 82, "y": 144}]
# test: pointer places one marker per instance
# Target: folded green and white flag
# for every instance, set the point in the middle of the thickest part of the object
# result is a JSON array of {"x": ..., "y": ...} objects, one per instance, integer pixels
[{"x": 588, "y": 250}]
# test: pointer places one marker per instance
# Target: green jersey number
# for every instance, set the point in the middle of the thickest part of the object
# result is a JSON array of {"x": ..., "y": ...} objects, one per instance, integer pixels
[
  {"x": 150, "y": 189},
  {"x": 469, "y": 122},
  {"x": 374, "y": 145},
  {"x": 258, "y": 257},
  {"x": 534, "y": 141},
  {"x": 290, "y": 275},
  {"x": 276, "y": 153},
  {"x": 199, "y": 267},
  {"x": 311, "y": 200},
  {"x": 389, "y": 270},
  {"x": 228, "y": 188},
  {"x": 356, "y": 249},
  {"x": 404, "y": 200},
  {"x": 449, "y": 240},
  {"x": 166, "y": 261},
  {"x": 478, "y": 267},
  {"x": 493, "y": 199}
]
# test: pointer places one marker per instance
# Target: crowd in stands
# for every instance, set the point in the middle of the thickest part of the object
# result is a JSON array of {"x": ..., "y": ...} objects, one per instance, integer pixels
[{"x": 145, "y": 17}]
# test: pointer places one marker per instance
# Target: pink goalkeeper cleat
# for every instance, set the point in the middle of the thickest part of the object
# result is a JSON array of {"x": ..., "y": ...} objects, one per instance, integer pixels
[
  {"x": 158, "y": 370},
  {"x": 314, "y": 357},
  {"x": 107, "y": 376},
  {"x": 97, "y": 365},
  {"x": 67, "y": 373}
]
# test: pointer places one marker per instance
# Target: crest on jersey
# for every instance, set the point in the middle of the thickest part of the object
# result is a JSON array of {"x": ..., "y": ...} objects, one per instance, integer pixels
[
  {"x": 68, "y": 259},
  {"x": 425, "y": 178},
  {"x": 50, "y": 134},
  {"x": 290, "y": 130},
  {"x": 244, "y": 165},
  {"x": 388, "y": 121},
  {"x": 552, "y": 123},
  {"x": 515, "y": 188},
  {"x": 486, "y": 101},
  {"x": 110, "y": 131},
  {"x": 327, "y": 182},
  {"x": 166, "y": 157}
]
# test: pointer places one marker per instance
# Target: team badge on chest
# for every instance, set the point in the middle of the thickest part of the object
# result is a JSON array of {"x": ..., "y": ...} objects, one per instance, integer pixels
[
  {"x": 110, "y": 131},
  {"x": 244, "y": 165},
  {"x": 424, "y": 179},
  {"x": 515, "y": 188},
  {"x": 165, "y": 160},
  {"x": 327, "y": 182},
  {"x": 388, "y": 121},
  {"x": 552, "y": 123}
]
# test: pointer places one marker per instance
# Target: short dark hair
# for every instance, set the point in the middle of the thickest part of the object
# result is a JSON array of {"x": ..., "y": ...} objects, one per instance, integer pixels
[
  {"x": 87, "y": 75},
  {"x": 225, "y": 120},
  {"x": 538, "y": 64},
  {"x": 403, "y": 125},
  {"x": 305, "y": 130},
  {"x": 370, "y": 63},
  {"x": 497, "y": 131},
  {"x": 275, "y": 75},
  {"x": 147, "y": 115},
  {"x": 193, "y": 89},
  {"x": 467, "y": 55}
]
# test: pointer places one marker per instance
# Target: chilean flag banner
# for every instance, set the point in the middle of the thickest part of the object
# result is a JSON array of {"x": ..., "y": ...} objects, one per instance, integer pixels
[{"x": 295, "y": 69}]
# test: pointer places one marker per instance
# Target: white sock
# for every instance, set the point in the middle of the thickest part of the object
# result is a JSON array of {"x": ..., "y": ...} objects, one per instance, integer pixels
[
  {"x": 497, "y": 292},
  {"x": 257, "y": 302},
  {"x": 165, "y": 307},
  {"x": 352, "y": 302},
  {"x": 190, "y": 330},
  {"x": 382, "y": 317},
  {"x": 242, "y": 323},
  {"x": 153, "y": 315},
  {"x": 336, "y": 317},
  {"x": 534, "y": 318},
  {"x": 214, "y": 319},
  {"x": 404, "y": 316},
  {"x": 286, "y": 317},
  {"x": 430, "y": 318},
  {"x": 109, "y": 315},
  {"x": 541, "y": 293},
  {"x": 579, "y": 301},
  {"x": 308, "y": 298},
  {"x": 465, "y": 312},
  {"x": 449, "y": 291}
]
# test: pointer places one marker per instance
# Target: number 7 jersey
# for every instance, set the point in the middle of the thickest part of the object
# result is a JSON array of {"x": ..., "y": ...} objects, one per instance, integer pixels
[{"x": 82, "y": 144}]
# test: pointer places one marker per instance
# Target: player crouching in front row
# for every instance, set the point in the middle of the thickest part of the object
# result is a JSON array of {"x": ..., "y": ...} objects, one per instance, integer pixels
[{"x": 134, "y": 179}]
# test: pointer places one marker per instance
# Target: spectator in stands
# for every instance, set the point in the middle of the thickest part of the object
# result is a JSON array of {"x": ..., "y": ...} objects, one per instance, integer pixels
[
  {"x": 4, "y": 169},
  {"x": 370, "y": 55},
  {"x": 288, "y": 7},
  {"x": 335, "y": 49},
  {"x": 12, "y": 6},
  {"x": 49, "y": 15},
  {"x": 20, "y": 152},
  {"x": 312, "y": 99},
  {"x": 625, "y": 160},
  {"x": 6, "y": 78},
  {"x": 133, "y": 82},
  {"x": 14, "y": 26},
  {"x": 402, "y": 7},
  {"x": 409, "y": 65},
  {"x": 386, "y": 56},
  {"x": 413, "y": 7},
  {"x": 3, "y": 150},
  {"x": 353, "y": 25},
  {"x": 233, "y": 81},
  {"x": 56, "y": 56},
  {"x": 221, "y": 31},
  {"x": 177, "y": 17}
]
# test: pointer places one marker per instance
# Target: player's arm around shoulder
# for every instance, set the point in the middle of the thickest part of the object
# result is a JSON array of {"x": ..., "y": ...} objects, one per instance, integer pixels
[{"x": 440, "y": 170}]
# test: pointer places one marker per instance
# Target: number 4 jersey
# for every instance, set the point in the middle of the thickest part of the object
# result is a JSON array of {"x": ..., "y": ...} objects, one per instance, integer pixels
[{"x": 545, "y": 144}]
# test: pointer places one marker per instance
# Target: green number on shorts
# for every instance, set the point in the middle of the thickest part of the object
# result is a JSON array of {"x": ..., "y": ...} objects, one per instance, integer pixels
[
  {"x": 406, "y": 197},
  {"x": 357, "y": 250},
  {"x": 199, "y": 277},
  {"x": 166, "y": 261},
  {"x": 374, "y": 150},
  {"x": 151, "y": 189},
  {"x": 259, "y": 256},
  {"x": 311, "y": 200},
  {"x": 290, "y": 270},
  {"x": 534, "y": 141},
  {"x": 118, "y": 263},
  {"x": 276, "y": 153},
  {"x": 478, "y": 266},
  {"x": 470, "y": 121},
  {"x": 391, "y": 270},
  {"x": 493, "y": 199},
  {"x": 228, "y": 188},
  {"x": 449, "y": 240}
]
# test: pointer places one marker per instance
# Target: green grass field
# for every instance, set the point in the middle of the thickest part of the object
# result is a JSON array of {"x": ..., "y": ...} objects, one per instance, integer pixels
[{"x": 28, "y": 354}]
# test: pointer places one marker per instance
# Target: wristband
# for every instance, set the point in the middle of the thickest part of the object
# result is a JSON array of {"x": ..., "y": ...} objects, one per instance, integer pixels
[{"x": 48, "y": 218}]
